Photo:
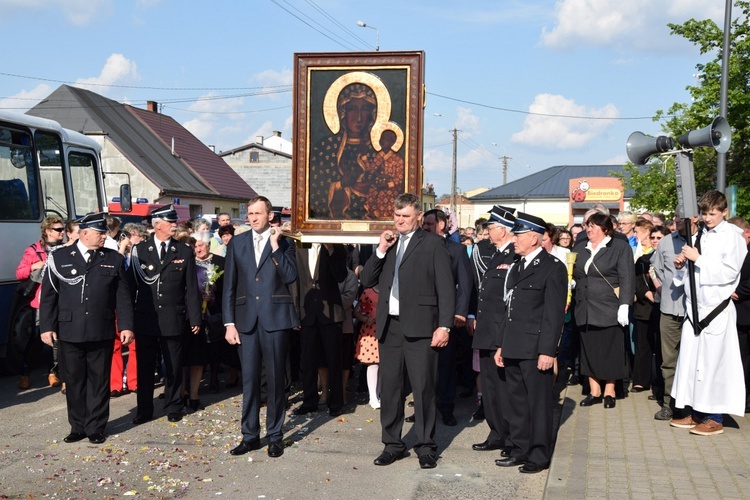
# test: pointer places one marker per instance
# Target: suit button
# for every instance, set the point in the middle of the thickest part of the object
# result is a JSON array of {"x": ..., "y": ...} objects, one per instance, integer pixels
[
  {"x": 87, "y": 312},
  {"x": 257, "y": 279},
  {"x": 160, "y": 295},
  {"x": 257, "y": 298},
  {"x": 159, "y": 307}
]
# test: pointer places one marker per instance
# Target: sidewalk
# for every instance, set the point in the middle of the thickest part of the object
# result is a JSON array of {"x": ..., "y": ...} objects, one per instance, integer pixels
[{"x": 625, "y": 453}]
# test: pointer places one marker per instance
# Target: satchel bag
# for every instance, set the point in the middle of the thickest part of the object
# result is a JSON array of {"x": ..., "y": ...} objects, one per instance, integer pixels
[
  {"x": 214, "y": 329},
  {"x": 26, "y": 288},
  {"x": 615, "y": 289}
]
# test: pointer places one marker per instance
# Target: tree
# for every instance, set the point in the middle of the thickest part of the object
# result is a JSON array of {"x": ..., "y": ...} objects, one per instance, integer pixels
[
  {"x": 683, "y": 117},
  {"x": 653, "y": 186}
]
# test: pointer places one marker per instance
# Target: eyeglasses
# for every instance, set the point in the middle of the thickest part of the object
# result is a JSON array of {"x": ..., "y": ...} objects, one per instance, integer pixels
[
  {"x": 58, "y": 229},
  {"x": 564, "y": 238}
]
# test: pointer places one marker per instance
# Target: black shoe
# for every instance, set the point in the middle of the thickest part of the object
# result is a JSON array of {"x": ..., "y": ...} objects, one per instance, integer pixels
[
  {"x": 510, "y": 461},
  {"x": 174, "y": 417},
  {"x": 609, "y": 402},
  {"x": 505, "y": 452},
  {"x": 74, "y": 437},
  {"x": 410, "y": 419},
  {"x": 573, "y": 380},
  {"x": 115, "y": 394},
  {"x": 591, "y": 400},
  {"x": 387, "y": 458},
  {"x": 195, "y": 405},
  {"x": 141, "y": 419},
  {"x": 486, "y": 446},
  {"x": 531, "y": 468},
  {"x": 652, "y": 397},
  {"x": 449, "y": 420},
  {"x": 245, "y": 446},
  {"x": 276, "y": 449},
  {"x": 639, "y": 389},
  {"x": 335, "y": 412},
  {"x": 97, "y": 438},
  {"x": 479, "y": 414},
  {"x": 304, "y": 410},
  {"x": 428, "y": 461}
]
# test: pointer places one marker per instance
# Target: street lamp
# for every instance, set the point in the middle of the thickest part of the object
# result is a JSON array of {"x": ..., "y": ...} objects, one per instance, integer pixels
[{"x": 362, "y": 24}]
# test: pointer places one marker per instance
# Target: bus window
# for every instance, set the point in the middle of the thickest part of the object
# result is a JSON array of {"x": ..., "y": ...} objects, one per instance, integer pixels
[
  {"x": 83, "y": 177},
  {"x": 19, "y": 198},
  {"x": 49, "y": 149}
]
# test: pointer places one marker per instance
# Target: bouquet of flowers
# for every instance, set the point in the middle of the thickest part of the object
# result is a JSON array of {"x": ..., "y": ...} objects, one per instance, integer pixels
[{"x": 212, "y": 276}]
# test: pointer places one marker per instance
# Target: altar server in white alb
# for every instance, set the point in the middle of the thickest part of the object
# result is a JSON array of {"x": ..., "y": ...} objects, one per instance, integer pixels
[{"x": 709, "y": 376}]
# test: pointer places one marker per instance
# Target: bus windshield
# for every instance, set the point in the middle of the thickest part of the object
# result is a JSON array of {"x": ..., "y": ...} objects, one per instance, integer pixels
[{"x": 19, "y": 196}]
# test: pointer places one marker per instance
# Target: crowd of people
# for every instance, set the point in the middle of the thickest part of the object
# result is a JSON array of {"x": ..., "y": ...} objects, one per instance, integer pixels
[{"x": 498, "y": 311}]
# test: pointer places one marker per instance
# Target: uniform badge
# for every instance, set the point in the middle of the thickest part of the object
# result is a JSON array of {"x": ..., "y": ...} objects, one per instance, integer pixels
[
  {"x": 173, "y": 249},
  {"x": 536, "y": 262},
  {"x": 150, "y": 267},
  {"x": 150, "y": 249},
  {"x": 73, "y": 272}
]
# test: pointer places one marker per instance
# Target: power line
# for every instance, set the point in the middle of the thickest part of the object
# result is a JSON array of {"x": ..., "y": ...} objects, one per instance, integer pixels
[
  {"x": 310, "y": 25},
  {"x": 347, "y": 30}
]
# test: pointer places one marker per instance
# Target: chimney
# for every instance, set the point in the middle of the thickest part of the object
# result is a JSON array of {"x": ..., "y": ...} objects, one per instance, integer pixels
[
  {"x": 259, "y": 140},
  {"x": 152, "y": 106},
  {"x": 277, "y": 133}
]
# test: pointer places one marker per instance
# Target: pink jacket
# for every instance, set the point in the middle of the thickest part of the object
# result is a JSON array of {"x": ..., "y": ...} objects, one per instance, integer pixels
[{"x": 34, "y": 253}]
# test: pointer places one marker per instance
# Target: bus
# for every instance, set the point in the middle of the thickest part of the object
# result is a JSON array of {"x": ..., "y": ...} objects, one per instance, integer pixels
[{"x": 44, "y": 170}]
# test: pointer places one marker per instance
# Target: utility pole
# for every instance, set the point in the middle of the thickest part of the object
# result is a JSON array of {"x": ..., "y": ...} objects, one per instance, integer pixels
[
  {"x": 721, "y": 161},
  {"x": 453, "y": 171},
  {"x": 505, "y": 168}
]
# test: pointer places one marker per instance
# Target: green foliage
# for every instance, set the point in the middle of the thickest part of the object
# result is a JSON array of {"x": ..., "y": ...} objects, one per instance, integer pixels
[
  {"x": 653, "y": 186},
  {"x": 683, "y": 117}
]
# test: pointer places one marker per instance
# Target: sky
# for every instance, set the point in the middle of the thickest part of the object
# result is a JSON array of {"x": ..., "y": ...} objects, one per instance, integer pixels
[{"x": 542, "y": 82}]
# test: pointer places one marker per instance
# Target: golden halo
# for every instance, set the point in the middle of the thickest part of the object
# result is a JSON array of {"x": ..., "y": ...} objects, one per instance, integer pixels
[
  {"x": 330, "y": 111},
  {"x": 379, "y": 128}
]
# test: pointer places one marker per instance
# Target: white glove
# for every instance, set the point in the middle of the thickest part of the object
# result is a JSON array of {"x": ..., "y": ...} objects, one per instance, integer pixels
[
  {"x": 622, "y": 315},
  {"x": 572, "y": 285}
]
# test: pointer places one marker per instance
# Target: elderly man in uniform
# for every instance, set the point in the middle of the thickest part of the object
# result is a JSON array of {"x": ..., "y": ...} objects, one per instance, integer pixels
[
  {"x": 535, "y": 294},
  {"x": 84, "y": 285},
  {"x": 167, "y": 297},
  {"x": 489, "y": 311}
]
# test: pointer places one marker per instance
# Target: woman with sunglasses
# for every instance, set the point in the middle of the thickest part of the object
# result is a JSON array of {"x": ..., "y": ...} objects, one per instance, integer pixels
[{"x": 33, "y": 260}]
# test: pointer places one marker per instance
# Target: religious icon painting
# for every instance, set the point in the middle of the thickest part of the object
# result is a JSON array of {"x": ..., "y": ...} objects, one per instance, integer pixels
[{"x": 358, "y": 121}]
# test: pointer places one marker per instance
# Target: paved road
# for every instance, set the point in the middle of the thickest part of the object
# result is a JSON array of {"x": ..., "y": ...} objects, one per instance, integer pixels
[{"x": 326, "y": 458}]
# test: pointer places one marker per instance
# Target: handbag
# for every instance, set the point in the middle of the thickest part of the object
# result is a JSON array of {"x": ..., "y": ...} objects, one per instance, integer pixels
[
  {"x": 214, "y": 329},
  {"x": 26, "y": 287},
  {"x": 615, "y": 289}
]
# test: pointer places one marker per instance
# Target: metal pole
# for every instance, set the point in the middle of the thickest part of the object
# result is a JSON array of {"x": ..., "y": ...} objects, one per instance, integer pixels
[
  {"x": 721, "y": 161},
  {"x": 453, "y": 171}
]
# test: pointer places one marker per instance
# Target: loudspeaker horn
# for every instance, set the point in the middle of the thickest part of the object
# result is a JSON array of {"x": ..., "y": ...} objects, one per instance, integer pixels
[
  {"x": 718, "y": 135},
  {"x": 641, "y": 146}
]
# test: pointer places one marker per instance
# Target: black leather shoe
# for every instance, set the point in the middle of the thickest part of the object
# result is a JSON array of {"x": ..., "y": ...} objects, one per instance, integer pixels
[
  {"x": 505, "y": 452},
  {"x": 428, "y": 461},
  {"x": 510, "y": 461},
  {"x": 486, "y": 446},
  {"x": 97, "y": 438},
  {"x": 140, "y": 419},
  {"x": 449, "y": 420},
  {"x": 637, "y": 389},
  {"x": 115, "y": 394},
  {"x": 409, "y": 419},
  {"x": 479, "y": 414},
  {"x": 275, "y": 450},
  {"x": 591, "y": 400},
  {"x": 245, "y": 446},
  {"x": 174, "y": 417},
  {"x": 74, "y": 437},
  {"x": 531, "y": 468},
  {"x": 335, "y": 412},
  {"x": 304, "y": 410},
  {"x": 387, "y": 458},
  {"x": 609, "y": 402}
]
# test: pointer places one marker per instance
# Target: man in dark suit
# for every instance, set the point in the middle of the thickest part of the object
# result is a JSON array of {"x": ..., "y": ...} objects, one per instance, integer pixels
[
  {"x": 259, "y": 314},
  {"x": 490, "y": 309},
  {"x": 84, "y": 285},
  {"x": 528, "y": 336},
  {"x": 414, "y": 319},
  {"x": 435, "y": 221},
  {"x": 320, "y": 270},
  {"x": 167, "y": 297}
]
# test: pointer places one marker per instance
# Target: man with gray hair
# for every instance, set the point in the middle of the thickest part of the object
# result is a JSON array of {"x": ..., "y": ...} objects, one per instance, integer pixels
[{"x": 167, "y": 305}]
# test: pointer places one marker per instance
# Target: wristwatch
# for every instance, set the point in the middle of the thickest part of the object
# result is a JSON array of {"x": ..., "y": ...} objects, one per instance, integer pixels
[{"x": 447, "y": 330}]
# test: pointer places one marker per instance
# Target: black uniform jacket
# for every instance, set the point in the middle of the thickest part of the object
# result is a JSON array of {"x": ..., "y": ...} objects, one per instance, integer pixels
[
  {"x": 535, "y": 309},
  {"x": 163, "y": 307},
  {"x": 490, "y": 305},
  {"x": 317, "y": 294},
  {"x": 85, "y": 311}
]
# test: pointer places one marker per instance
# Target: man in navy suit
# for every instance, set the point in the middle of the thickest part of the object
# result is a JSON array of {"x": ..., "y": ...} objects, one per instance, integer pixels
[
  {"x": 259, "y": 314},
  {"x": 83, "y": 286},
  {"x": 435, "y": 221},
  {"x": 414, "y": 319}
]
